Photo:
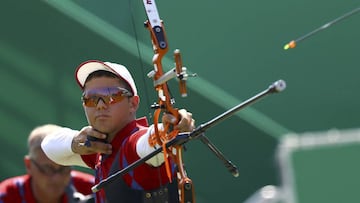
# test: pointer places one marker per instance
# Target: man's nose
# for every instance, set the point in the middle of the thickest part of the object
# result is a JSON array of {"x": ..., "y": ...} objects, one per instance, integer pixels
[{"x": 101, "y": 104}]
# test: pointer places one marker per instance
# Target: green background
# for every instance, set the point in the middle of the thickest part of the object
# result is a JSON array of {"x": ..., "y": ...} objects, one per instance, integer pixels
[{"x": 236, "y": 49}]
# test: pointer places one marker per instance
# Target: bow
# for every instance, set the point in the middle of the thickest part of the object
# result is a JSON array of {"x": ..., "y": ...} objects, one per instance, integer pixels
[
  {"x": 162, "y": 136},
  {"x": 165, "y": 102}
]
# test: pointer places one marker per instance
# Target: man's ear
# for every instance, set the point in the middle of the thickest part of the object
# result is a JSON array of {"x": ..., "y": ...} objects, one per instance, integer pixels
[
  {"x": 134, "y": 100},
  {"x": 27, "y": 163}
]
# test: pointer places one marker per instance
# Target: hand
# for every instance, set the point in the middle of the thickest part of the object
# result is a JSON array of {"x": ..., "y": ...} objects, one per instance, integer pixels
[
  {"x": 84, "y": 142},
  {"x": 185, "y": 124}
]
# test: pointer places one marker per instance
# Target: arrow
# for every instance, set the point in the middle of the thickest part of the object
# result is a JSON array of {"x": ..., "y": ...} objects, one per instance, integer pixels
[{"x": 292, "y": 44}]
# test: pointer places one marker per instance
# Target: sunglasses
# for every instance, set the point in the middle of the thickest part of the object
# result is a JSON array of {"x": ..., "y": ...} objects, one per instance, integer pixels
[
  {"x": 109, "y": 95},
  {"x": 50, "y": 171}
]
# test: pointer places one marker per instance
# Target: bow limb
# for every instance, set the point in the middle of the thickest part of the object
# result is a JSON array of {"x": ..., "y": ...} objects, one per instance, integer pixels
[{"x": 185, "y": 184}]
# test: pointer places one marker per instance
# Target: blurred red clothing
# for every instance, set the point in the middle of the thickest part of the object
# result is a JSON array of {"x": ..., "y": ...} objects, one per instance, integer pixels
[{"x": 18, "y": 189}]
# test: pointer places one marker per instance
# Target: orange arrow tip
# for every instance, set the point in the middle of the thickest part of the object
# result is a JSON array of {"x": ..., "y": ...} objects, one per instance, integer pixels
[{"x": 290, "y": 45}]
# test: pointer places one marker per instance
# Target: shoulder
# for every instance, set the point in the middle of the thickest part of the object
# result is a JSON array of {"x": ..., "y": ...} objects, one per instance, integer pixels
[
  {"x": 140, "y": 130},
  {"x": 11, "y": 188},
  {"x": 14, "y": 182},
  {"x": 142, "y": 122}
]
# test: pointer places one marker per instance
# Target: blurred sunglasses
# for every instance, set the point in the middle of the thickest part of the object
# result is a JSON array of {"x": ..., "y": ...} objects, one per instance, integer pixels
[
  {"x": 50, "y": 171},
  {"x": 109, "y": 95}
]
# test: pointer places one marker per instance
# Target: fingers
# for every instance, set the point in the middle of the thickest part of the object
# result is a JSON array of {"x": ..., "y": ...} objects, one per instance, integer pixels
[
  {"x": 90, "y": 131},
  {"x": 90, "y": 141},
  {"x": 186, "y": 123},
  {"x": 90, "y": 147}
]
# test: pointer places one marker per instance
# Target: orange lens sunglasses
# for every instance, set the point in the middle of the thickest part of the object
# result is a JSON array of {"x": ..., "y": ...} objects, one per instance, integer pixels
[{"x": 109, "y": 95}]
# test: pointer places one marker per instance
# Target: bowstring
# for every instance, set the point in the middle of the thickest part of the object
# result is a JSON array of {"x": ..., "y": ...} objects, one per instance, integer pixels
[{"x": 147, "y": 96}]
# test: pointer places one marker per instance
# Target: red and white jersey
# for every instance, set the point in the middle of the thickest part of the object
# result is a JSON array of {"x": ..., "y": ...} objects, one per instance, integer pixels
[{"x": 144, "y": 177}]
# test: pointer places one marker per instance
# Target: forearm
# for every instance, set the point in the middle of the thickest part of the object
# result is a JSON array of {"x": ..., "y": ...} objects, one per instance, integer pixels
[
  {"x": 58, "y": 148},
  {"x": 143, "y": 148}
]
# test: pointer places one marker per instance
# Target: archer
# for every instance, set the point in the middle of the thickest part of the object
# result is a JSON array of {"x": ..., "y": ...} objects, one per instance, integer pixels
[{"x": 114, "y": 137}]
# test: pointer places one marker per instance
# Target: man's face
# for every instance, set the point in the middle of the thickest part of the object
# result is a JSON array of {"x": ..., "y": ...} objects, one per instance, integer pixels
[
  {"x": 106, "y": 117},
  {"x": 48, "y": 179}
]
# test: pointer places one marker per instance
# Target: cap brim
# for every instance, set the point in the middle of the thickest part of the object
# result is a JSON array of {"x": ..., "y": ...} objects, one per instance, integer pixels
[{"x": 88, "y": 67}]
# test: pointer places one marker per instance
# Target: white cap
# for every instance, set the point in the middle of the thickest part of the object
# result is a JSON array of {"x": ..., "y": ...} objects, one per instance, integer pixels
[{"x": 88, "y": 67}]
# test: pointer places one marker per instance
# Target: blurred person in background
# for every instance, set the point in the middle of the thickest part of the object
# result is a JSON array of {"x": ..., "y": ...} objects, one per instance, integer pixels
[{"x": 46, "y": 181}]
